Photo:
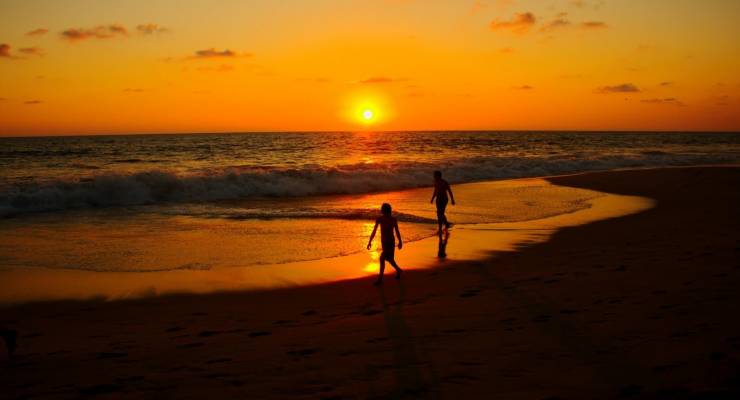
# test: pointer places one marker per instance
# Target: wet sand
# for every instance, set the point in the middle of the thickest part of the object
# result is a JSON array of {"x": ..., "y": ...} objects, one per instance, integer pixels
[{"x": 642, "y": 306}]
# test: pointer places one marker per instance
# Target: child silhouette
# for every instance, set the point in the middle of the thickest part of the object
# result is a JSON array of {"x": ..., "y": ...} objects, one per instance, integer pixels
[{"x": 388, "y": 224}]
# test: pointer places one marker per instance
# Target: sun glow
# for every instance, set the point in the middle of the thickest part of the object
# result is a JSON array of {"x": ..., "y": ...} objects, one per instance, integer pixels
[
  {"x": 369, "y": 109},
  {"x": 368, "y": 115}
]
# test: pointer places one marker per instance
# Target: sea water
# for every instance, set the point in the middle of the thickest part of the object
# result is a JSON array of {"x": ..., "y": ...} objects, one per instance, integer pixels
[{"x": 155, "y": 203}]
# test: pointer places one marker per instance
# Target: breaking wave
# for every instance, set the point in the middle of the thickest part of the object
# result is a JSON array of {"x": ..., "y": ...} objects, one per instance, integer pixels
[{"x": 160, "y": 186}]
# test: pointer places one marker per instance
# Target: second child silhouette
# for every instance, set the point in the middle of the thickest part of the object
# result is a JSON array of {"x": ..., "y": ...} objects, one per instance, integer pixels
[{"x": 388, "y": 224}]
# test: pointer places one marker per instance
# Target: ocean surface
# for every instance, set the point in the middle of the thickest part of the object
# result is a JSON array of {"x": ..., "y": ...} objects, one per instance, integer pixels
[{"x": 166, "y": 202}]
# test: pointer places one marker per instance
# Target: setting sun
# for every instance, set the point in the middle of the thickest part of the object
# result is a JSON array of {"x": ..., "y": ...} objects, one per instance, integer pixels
[{"x": 368, "y": 115}]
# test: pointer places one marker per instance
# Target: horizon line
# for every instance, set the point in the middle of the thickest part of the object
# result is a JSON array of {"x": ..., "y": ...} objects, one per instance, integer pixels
[{"x": 102, "y": 134}]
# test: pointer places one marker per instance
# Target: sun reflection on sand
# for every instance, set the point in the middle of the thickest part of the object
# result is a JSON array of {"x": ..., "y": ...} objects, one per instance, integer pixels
[
  {"x": 372, "y": 266},
  {"x": 468, "y": 242}
]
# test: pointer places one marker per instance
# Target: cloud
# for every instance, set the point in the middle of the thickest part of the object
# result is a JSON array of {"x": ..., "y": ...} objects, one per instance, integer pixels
[
  {"x": 29, "y": 51},
  {"x": 151, "y": 29},
  {"x": 98, "y": 32},
  {"x": 524, "y": 87},
  {"x": 213, "y": 53},
  {"x": 622, "y": 88},
  {"x": 519, "y": 23},
  {"x": 667, "y": 100},
  {"x": 37, "y": 32},
  {"x": 32, "y": 51},
  {"x": 506, "y": 50},
  {"x": 32, "y": 102},
  {"x": 593, "y": 25},
  {"x": 577, "y": 3},
  {"x": 666, "y": 83},
  {"x": 559, "y": 22},
  {"x": 380, "y": 79}
]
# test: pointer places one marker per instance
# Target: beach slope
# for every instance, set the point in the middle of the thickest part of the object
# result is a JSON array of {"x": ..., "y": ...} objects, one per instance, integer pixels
[{"x": 642, "y": 306}]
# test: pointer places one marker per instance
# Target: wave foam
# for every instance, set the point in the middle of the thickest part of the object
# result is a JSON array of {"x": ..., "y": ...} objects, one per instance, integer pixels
[{"x": 156, "y": 186}]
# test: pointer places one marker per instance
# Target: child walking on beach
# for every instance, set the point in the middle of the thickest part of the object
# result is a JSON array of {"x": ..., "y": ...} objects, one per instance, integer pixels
[
  {"x": 388, "y": 224},
  {"x": 441, "y": 188}
]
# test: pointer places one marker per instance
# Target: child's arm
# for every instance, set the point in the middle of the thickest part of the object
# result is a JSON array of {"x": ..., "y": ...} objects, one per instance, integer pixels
[
  {"x": 452, "y": 197},
  {"x": 372, "y": 235},
  {"x": 398, "y": 234},
  {"x": 433, "y": 195}
]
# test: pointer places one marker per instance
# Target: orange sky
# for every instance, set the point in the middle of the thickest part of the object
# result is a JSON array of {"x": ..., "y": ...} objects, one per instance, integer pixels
[{"x": 86, "y": 66}]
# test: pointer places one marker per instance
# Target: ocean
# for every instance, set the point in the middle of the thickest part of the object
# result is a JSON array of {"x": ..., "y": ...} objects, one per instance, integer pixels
[{"x": 147, "y": 203}]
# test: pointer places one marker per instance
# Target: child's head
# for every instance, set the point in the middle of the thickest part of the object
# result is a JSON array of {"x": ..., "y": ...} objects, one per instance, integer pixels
[
  {"x": 385, "y": 209},
  {"x": 437, "y": 174}
]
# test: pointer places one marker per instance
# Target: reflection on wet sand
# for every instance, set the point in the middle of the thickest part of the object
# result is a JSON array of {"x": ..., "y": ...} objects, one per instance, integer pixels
[
  {"x": 472, "y": 242},
  {"x": 442, "y": 247}
]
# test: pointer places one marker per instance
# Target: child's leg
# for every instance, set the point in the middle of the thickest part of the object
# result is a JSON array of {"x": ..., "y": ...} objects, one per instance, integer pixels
[
  {"x": 398, "y": 269},
  {"x": 382, "y": 267}
]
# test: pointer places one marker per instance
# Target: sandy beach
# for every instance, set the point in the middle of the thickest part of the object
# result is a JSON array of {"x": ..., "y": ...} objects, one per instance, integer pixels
[{"x": 641, "y": 306}]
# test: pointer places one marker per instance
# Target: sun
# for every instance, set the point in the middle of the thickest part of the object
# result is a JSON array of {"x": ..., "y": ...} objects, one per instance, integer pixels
[
  {"x": 368, "y": 110},
  {"x": 368, "y": 115}
]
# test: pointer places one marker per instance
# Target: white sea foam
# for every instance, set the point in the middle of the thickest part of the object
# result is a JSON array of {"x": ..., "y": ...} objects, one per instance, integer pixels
[{"x": 157, "y": 186}]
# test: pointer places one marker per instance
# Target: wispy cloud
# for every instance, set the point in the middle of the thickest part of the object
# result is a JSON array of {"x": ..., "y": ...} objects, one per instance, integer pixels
[
  {"x": 666, "y": 83},
  {"x": 524, "y": 87},
  {"x": 32, "y": 51},
  {"x": 593, "y": 25},
  {"x": 621, "y": 88},
  {"x": 380, "y": 79},
  {"x": 32, "y": 102},
  {"x": 37, "y": 32},
  {"x": 522, "y": 23},
  {"x": 213, "y": 53},
  {"x": 667, "y": 100},
  {"x": 519, "y": 23},
  {"x": 5, "y": 50},
  {"x": 151, "y": 29},
  {"x": 559, "y": 22},
  {"x": 98, "y": 32}
]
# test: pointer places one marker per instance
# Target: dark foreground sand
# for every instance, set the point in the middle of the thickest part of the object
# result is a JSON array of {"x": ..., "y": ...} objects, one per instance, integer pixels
[{"x": 644, "y": 306}]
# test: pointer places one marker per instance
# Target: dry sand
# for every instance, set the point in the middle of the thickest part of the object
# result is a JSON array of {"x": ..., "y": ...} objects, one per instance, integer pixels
[{"x": 643, "y": 306}]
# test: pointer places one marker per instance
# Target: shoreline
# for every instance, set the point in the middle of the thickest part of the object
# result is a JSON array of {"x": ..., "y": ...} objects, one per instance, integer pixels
[
  {"x": 639, "y": 306},
  {"x": 471, "y": 242}
]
